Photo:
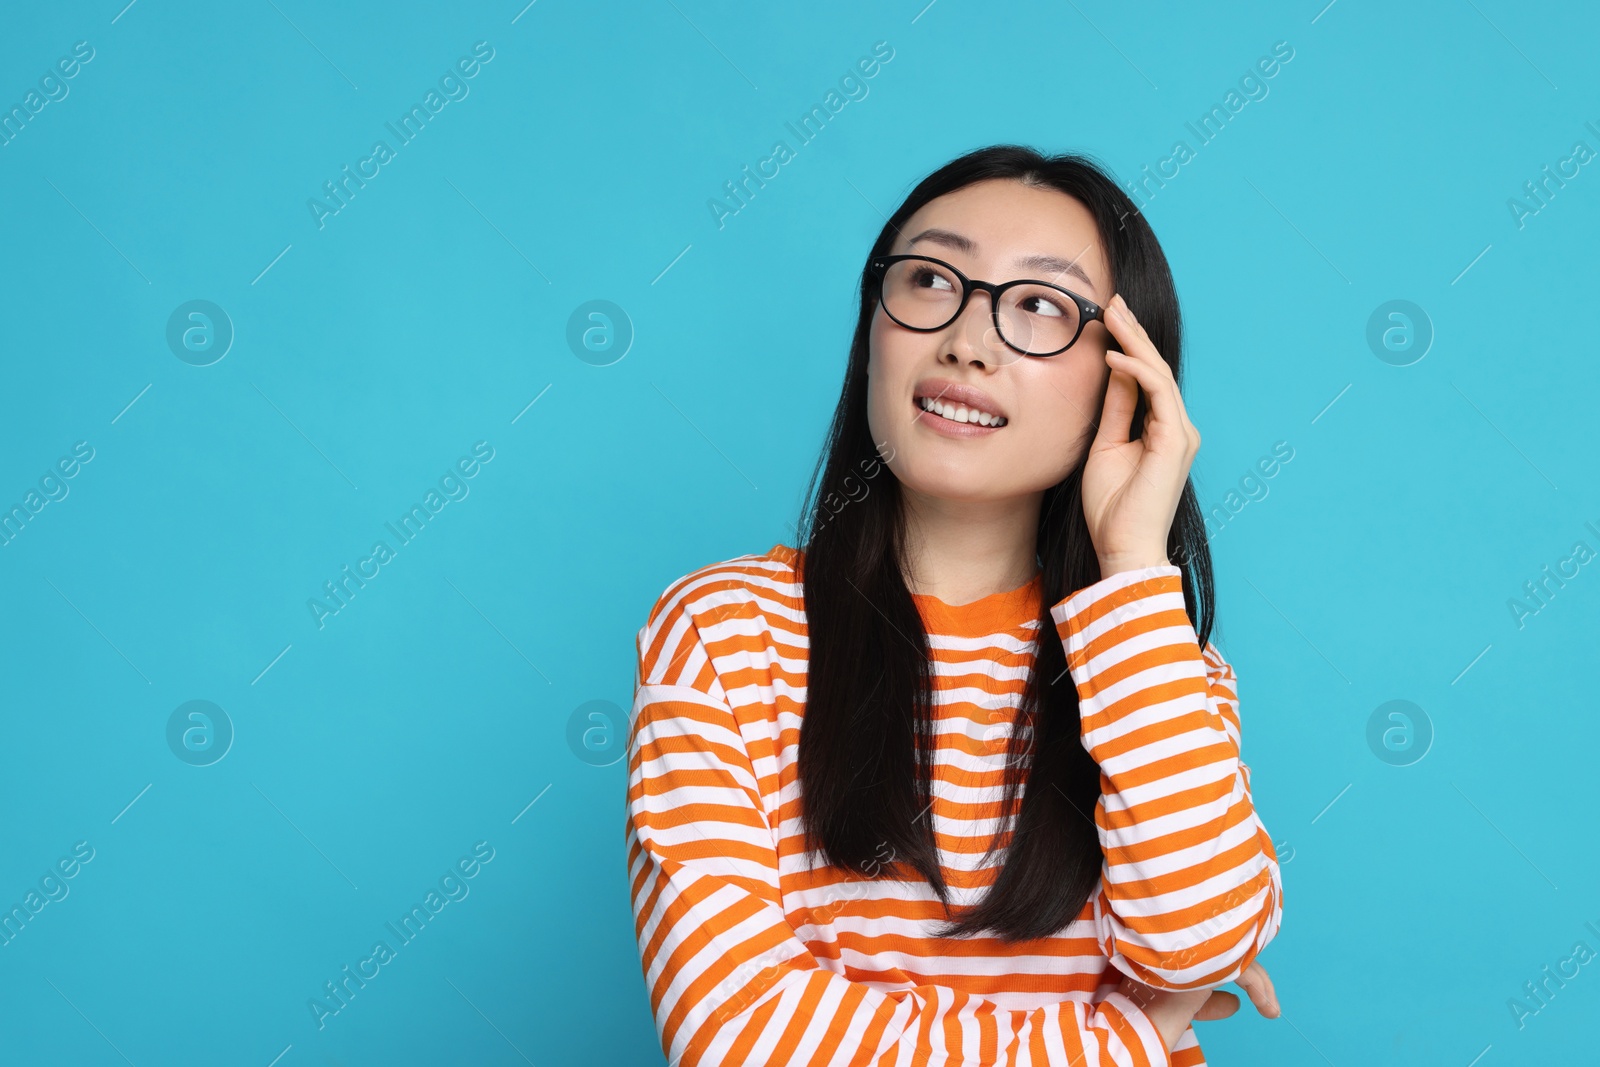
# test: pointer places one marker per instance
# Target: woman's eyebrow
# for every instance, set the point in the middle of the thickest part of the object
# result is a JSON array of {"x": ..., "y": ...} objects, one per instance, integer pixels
[
  {"x": 1056, "y": 265},
  {"x": 1053, "y": 264}
]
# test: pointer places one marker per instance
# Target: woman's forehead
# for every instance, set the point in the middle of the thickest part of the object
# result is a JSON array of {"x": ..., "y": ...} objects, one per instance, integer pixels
[{"x": 1010, "y": 226}]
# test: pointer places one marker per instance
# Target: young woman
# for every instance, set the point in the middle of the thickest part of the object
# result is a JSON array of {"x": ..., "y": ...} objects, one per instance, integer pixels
[{"x": 957, "y": 781}]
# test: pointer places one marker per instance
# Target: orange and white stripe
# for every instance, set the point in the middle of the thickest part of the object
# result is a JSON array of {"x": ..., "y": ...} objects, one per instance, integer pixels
[{"x": 751, "y": 956}]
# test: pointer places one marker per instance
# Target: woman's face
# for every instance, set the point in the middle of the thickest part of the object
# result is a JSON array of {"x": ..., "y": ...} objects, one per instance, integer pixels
[{"x": 988, "y": 230}]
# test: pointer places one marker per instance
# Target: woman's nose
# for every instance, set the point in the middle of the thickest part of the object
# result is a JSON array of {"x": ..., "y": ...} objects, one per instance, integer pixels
[{"x": 976, "y": 338}]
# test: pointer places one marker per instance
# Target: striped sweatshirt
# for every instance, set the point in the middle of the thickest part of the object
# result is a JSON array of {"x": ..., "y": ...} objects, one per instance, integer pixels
[{"x": 754, "y": 952}]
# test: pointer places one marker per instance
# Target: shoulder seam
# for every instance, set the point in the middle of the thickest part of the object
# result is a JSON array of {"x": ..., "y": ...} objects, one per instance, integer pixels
[
  {"x": 736, "y": 568},
  {"x": 680, "y": 600}
]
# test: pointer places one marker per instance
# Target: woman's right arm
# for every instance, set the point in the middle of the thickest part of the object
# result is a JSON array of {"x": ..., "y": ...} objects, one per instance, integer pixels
[{"x": 730, "y": 981}]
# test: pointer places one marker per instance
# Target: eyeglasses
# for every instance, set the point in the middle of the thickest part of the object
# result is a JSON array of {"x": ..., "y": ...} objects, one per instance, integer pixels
[{"x": 1032, "y": 317}]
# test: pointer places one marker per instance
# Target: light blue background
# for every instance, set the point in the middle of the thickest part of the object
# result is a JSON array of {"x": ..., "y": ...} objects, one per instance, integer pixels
[{"x": 431, "y": 311}]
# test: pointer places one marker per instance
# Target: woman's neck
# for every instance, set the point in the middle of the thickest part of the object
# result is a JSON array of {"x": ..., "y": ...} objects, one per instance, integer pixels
[{"x": 961, "y": 550}]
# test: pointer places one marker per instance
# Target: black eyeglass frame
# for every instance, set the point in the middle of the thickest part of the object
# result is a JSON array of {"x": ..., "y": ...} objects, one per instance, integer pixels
[{"x": 1088, "y": 310}]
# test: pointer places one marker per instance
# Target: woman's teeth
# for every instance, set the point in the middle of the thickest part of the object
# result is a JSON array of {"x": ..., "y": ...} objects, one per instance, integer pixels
[{"x": 957, "y": 413}]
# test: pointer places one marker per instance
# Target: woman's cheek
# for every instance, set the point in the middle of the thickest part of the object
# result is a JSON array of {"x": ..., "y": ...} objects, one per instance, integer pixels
[{"x": 1054, "y": 443}]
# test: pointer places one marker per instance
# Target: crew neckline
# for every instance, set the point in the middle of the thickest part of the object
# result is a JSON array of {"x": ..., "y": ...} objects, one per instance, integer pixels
[{"x": 994, "y": 613}]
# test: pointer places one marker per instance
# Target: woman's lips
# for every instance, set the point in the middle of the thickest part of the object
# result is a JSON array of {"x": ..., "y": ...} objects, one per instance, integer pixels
[{"x": 941, "y": 425}]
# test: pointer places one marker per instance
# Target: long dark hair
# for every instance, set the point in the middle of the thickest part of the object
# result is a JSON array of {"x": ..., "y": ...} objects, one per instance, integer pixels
[{"x": 866, "y": 742}]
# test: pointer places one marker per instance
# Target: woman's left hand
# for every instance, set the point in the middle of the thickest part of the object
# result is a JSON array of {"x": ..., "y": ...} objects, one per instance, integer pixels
[
  {"x": 1256, "y": 984},
  {"x": 1131, "y": 488},
  {"x": 1220, "y": 1004}
]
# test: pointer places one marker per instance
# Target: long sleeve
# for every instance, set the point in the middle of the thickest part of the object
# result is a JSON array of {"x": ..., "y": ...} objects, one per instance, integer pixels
[
  {"x": 1191, "y": 891},
  {"x": 730, "y": 982}
]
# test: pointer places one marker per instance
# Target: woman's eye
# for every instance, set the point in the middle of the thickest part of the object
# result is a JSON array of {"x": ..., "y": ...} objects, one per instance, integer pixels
[
  {"x": 928, "y": 279},
  {"x": 1038, "y": 305}
]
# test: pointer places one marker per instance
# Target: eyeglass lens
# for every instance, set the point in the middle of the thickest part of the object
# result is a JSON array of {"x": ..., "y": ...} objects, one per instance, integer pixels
[{"x": 925, "y": 296}]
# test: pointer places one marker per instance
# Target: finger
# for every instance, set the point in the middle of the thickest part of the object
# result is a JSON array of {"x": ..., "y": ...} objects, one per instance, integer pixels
[
  {"x": 1119, "y": 318},
  {"x": 1219, "y": 1005},
  {"x": 1127, "y": 329},
  {"x": 1258, "y": 985},
  {"x": 1136, "y": 343},
  {"x": 1116, "y": 414},
  {"x": 1166, "y": 407}
]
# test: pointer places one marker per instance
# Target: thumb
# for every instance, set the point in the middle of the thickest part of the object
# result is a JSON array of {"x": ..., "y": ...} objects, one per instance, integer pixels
[
  {"x": 1219, "y": 1005},
  {"x": 1116, "y": 414}
]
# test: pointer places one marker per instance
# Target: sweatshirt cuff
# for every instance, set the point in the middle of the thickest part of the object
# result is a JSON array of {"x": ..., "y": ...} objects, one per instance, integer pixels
[{"x": 1082, "y": 618}]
